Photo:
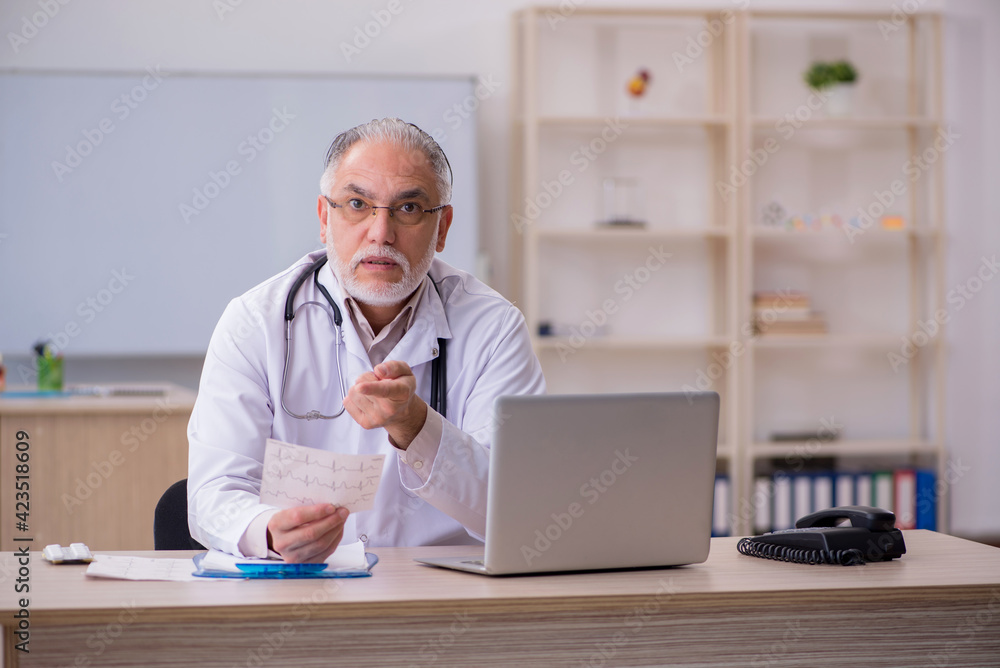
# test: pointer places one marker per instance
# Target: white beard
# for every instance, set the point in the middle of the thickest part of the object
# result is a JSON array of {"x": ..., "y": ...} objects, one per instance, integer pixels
[{"x": 380, "y": 293}]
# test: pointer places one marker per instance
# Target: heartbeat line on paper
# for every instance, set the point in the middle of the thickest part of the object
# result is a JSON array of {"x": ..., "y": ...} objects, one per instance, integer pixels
[
  {"x": 296, "y": 476},
  {"x": 285, "y": 454},
  {"x": 315, "y": 481},
  {"x": 292, "y": 500}
]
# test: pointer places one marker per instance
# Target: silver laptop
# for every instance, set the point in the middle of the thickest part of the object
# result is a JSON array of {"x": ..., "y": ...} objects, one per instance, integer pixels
[{"x": 593, "y": 482}]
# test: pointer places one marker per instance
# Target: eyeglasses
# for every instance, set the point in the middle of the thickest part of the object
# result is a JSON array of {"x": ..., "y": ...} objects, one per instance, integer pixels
[{"x": 408, "y": 214}]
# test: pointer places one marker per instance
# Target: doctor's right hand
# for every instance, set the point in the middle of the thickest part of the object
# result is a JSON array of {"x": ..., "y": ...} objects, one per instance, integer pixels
[{"x": 306, "y": 534}]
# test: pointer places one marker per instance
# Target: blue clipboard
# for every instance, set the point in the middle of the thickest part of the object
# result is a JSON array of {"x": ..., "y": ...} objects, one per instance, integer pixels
[{"x": 280, "y": 570}]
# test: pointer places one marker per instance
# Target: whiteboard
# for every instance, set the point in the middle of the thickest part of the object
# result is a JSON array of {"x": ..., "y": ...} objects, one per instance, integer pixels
[{"x": 134, "y": 206}]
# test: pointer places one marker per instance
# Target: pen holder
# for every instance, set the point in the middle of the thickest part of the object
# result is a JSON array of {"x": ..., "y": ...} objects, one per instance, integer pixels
[{"x": 50, "y": 373}]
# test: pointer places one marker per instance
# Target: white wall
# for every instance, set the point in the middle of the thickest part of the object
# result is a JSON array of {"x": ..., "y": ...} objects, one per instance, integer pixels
[{"x": 463, "y": 37}]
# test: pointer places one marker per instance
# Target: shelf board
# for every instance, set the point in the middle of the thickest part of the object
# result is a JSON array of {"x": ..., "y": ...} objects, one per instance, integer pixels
[
  {"x": 821, "y": 14},
  {"x": 714, "y": 120},
  {"x": 622, "y": 344},
  {"x": 843, "y": 448},
  {"x": 630, "y": 233},
  {"x": 871, "y": 341},
  {"x": 776, "y": 232},
  {"x": 607, "y": 13},
  {"x": 847, "y": 123}
]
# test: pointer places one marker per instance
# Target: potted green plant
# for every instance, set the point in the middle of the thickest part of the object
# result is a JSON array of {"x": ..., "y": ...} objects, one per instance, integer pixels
[{"x": 835, "y": 81}]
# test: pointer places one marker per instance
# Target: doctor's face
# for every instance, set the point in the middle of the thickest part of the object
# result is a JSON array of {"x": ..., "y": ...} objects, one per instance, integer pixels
[{"x": 380, "y": 260}]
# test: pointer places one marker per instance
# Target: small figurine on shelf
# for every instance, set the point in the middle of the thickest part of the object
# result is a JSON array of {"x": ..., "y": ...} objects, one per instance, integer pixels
[
  {"x": 636, "y": 88},
  {"x": 637, "y": 84},
  {"x": 773, "y": 214},
  {"x": 893, "y": 222},
  {"x": 623, "y": 203}
]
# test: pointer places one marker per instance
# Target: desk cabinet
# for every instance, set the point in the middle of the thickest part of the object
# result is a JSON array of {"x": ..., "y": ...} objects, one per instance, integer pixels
[
  {"x": 96, "y": 467},
  {"x": 937, "y": 606}
]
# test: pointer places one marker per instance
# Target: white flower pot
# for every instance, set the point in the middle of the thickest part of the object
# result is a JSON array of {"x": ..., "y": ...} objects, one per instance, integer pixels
[{"x": 839, "y": 99}]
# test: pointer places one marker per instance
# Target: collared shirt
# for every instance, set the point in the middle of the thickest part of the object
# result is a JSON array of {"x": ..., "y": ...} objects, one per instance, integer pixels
[{"x": 380, "y": 345}]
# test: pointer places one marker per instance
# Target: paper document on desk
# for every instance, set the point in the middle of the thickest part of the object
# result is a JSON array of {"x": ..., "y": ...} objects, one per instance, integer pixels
[
  {"x": 140, "y": 568},
  {"x": 299, "y": 476}
]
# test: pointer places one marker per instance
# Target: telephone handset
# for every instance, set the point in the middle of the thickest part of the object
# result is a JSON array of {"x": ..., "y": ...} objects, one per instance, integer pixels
[{"x": 820, "y": 538}]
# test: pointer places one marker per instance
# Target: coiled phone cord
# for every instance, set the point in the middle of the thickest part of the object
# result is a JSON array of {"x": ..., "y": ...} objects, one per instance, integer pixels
[{"x": 752, "y": 548}]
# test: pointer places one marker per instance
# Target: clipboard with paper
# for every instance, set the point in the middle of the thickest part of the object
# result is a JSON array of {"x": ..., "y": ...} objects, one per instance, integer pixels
[
  {"x": 348, "y": 561},
  {"x": 297, "y": 476}
]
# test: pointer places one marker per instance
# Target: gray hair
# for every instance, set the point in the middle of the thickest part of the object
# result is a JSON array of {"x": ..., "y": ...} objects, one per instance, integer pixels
[{"x": 393, "y": 131}]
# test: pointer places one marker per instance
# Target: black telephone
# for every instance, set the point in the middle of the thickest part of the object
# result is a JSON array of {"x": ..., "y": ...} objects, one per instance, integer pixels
[{"x": 820, "y": 539}]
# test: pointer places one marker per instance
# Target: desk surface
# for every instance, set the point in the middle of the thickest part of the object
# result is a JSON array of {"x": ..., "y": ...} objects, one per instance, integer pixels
[
  {"x": 174, "y": 397},
  {"x": 935, "y": 566}
]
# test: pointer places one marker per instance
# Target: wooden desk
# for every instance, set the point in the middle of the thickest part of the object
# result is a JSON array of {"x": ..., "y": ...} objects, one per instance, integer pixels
[
  {"x": 97, "y": 466},
  {"x": 939, "y": 605}
]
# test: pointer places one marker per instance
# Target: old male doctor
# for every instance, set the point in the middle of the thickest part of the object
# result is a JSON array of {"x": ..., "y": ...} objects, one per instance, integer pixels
[{"x": 384, "y": 211}]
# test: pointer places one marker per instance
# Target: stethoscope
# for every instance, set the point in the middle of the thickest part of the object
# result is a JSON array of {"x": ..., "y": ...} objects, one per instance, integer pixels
[{"x": 439, "y": 371}]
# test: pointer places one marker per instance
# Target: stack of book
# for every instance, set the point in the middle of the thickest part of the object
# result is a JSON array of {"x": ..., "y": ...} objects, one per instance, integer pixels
[{"x": 784, "y": 312}]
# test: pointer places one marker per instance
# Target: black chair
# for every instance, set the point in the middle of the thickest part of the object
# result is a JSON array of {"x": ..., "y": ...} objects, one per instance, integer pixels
[{"x": 170, "y": 520}]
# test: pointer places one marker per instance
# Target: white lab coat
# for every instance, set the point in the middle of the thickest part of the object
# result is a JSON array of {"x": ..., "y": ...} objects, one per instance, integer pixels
[{"x": 238, "y": 407}]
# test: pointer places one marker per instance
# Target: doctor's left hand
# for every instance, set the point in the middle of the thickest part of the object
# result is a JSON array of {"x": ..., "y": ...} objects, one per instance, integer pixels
[{"x": 387, "y": 397}]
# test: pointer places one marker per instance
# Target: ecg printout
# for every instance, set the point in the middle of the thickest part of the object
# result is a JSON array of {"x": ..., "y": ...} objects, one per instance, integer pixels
[{"x": 298, "y": 476}]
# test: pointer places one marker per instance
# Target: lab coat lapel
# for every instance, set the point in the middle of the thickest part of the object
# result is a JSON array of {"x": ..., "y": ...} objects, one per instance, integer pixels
[{"x": 420, "y": 343}]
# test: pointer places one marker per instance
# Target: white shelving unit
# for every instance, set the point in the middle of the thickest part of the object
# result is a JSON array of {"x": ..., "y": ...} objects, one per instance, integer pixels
[
  {"x": 621, "y": 308},
  {"x": 874, "y": 285},
  {"x": 668, "y": 305}
]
